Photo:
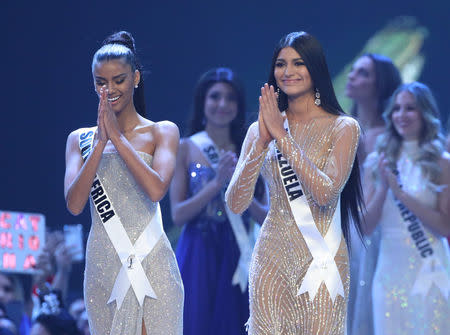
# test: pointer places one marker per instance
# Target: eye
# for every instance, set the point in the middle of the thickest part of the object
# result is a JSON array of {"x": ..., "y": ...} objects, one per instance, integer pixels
[
  {"x": 395, "y": 108},
  {"x": 214, "y": 96},
  {"x": 120, "y": 81},
  {"x": 99, "y": 83},
  {"x": 364, "y": 73},
  {"x": 279, "y": 64},
  {"x": 299, "y": 63}
]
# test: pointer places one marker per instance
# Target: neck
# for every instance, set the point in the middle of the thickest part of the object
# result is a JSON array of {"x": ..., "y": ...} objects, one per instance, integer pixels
[
  {"x": 220, "y": 135},
  {"x": 368, "y": 114},
  {"x": 302, "y": 108},
  {"x": 127, "y": 119}
]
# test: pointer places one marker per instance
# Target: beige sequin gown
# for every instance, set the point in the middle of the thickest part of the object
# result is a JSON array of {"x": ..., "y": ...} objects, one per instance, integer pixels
[
  {"x": 162, "y": 316},
  {"x": 321, "y": 153}
]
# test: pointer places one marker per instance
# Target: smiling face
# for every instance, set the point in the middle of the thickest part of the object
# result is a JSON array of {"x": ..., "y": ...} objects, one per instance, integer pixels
[
  {"x": 221, "y": 106},
  {"x": 361, "y": 81},
  {"x": 116, "y": 76},
  {"x": 291, "y": 74},
  {"x": 406, "y": 116}
]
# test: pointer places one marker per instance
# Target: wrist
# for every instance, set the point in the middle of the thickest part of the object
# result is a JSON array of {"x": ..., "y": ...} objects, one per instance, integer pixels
[
  {"x": 116, "y": 137},
  {"x": 217, "y": 184},
  {"x": 280, "y": 134},
  {"x": 261, "y": 144}
]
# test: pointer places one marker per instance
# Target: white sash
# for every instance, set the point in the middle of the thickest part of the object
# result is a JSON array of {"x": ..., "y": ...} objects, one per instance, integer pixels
[
  {"x": 243, "y": 239},
  {"x": 323, "y": 268},
  {"x": 431, "y": 271},
  {"x": 131, "y": 272}
]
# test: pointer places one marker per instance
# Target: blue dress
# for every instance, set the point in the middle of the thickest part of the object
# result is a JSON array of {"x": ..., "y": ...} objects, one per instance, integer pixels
[{"x": 207, "y": 255}]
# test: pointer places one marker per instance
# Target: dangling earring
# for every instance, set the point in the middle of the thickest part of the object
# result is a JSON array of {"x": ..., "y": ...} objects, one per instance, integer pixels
[{"x": 317, "y": 100}]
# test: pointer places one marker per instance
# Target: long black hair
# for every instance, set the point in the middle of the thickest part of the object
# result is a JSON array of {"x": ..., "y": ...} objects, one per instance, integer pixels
[
  {"x": 387, "y": 79},
  {"x": 309, "y": 48},
  {"x": 121, "y": 45},
  {"x": 206, "y": 81}
]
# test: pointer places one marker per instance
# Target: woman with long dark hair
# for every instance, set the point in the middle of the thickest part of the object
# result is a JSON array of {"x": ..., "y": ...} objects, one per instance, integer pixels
[
  {"x": 214, "y": 249},
  {"x": 299, "y": 274},
  {"x": 406, "y": 189},
  {"x": 124, "y": 165},
  {"x": 370, "y": 84}
]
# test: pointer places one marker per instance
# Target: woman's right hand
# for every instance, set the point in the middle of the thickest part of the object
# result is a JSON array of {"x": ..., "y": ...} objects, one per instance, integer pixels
[
  {"x": 102, "y": 135},
  {"x": 225, "y": 169},
  {"x": 264, "y": 136}
]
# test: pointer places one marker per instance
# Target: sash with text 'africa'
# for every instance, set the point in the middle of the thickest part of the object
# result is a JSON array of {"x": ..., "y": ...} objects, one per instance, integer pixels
[{"x": 131, "y": 272}]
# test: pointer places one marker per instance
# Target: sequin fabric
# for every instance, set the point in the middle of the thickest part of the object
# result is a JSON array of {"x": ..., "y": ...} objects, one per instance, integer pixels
[
  {"x": 396, "y": 310},
  {"x": 321, "y": 152},
  {"x": 161, "y": 316}
]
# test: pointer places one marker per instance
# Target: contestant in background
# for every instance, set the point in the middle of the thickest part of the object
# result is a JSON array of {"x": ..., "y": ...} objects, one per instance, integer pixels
[
  {"x": 299, "y": 274},
  {"x": 215, "y": 246},
  {"x": 370, "y": 83},
  {"x": 406, "y": 188},
  {"x": 132, "y": 284}
]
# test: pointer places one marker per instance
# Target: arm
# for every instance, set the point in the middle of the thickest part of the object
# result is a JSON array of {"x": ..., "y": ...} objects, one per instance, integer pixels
[
  {"x": 242, "y": 185},
  {"x": 79, "y": 177},
  {"x": 259, "y": 207},
  {"x": 437, "y": 219},
  {"x": 185, "y": 209},
  {"x": 153, "y": 180},
  {"x": 325, "y": 186},
  {"x": 374, "y": 191},
  {"x": 63, "y": 260}
]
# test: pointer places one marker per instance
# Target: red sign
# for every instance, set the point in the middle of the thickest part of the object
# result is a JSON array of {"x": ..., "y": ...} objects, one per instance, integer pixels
[{"x": 22, "y": 237}]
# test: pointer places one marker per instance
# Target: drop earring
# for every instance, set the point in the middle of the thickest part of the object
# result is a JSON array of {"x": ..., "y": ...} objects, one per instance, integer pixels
[{"x": 317, "y": 100}]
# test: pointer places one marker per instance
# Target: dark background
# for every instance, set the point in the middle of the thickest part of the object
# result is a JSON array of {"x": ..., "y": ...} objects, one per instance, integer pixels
[{"x": 47, "y": 48}]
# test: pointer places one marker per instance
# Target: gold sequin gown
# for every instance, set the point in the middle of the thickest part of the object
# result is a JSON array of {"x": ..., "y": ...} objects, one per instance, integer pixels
[
  {"x": 161, "y": 316},
  {"x": 321, "y": 152}
]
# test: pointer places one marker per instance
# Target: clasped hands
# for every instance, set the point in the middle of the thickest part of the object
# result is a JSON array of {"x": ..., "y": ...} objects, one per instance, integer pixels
[
  {"x": 108, "y": 127},
  {"x": 388, "y": 177},
  {"x": 270, "y": 120}
]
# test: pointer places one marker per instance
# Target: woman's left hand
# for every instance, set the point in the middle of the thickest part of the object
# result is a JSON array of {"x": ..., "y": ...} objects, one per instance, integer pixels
[
  {"x": 271, "y": 114},
  {"x": 393, "y": 182},
  {"x": 109, "y": 117}
]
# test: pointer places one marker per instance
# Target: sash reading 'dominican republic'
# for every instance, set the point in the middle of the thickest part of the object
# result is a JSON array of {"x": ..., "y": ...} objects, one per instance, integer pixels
[
  {"x": 432, "y": 271},
  {"x": 243, "y": 239},
  {"x": 323, "y": 268},
  {"x": 131, "y": 272}
]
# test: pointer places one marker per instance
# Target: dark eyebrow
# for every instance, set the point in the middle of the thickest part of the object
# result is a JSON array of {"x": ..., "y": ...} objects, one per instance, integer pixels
[
  {"x": 115, "y": 77},
  {"x": 294, "y": 60}
]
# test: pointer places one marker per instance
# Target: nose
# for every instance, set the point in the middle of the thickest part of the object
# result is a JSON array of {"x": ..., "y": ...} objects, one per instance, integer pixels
[
  {"x": 289, "y": 70},
  {"x": 351, "y": 76},
  {"x": 223, "y": 102}
]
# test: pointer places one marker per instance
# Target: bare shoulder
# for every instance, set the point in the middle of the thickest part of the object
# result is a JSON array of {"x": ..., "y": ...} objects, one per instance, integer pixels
[{"x": 166, "y": 129}]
